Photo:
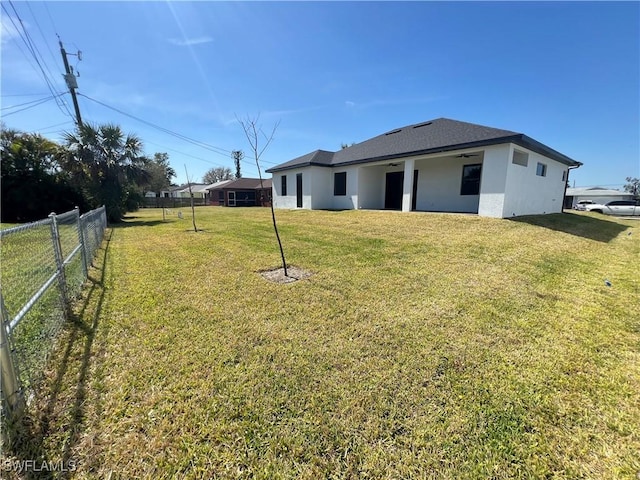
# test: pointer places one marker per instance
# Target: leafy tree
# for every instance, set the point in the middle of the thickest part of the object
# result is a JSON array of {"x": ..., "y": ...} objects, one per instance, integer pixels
[
  {"x": 238, "y": 155},
  {"x": 107, "y": 166},
  {"x": 160, "y": 173},
  {"x": 633, "y": 185},
  {"x": 217, "y": 174},
  {"x": 33, "y": 183},
  {"x": 344, "y": 145}
]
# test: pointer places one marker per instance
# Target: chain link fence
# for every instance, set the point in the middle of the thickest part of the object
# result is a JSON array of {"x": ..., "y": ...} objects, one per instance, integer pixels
[{"x": 43, "y": 267}]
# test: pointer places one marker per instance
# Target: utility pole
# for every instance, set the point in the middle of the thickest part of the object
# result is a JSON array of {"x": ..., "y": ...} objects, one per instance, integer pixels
[{"x": 70, "y": 79}]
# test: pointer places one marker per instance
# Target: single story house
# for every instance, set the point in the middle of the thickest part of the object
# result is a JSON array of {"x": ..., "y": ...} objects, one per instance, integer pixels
[
  {"x": 595, "y": 194},
  {"x": 182, "y": 191},
  {"x": 441, "y": 165},
  {"x": 242, "y": 192},
  {"x": 215, "y": 193}
]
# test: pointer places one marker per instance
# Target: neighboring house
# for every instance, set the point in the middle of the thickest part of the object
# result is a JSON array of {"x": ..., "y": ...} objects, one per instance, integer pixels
[
  {"x": 595, "y": 194},
  {"x": 171, "y": 192},
  {"x": 441, "y": 165},
  {"x": 216, "y": 194},
  {"x": 243, "y": 192},
  {"x": 197, "y": 189},
  {"x": 178, "y": 196}
]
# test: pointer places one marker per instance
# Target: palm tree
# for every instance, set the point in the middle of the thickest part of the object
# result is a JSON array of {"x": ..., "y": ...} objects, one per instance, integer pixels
[
  {"x": 107, "y": 165},
  {"x": 33, "y": 184}
]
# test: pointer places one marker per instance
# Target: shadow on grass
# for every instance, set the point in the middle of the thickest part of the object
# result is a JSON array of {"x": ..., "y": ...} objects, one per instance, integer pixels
[
  {"x": 63, "y": 395},
  {"x": 585, "y": 226},
  {"x": 137, "y": 223}
]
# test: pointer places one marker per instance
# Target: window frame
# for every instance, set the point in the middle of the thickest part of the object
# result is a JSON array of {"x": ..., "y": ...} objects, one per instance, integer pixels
[
  {"x": 541, "y": 172},
  {"x": 464, "y": 182},
  {"x": 520, "y": 158},
  {"x": 283, "y": 185},
  {"x": 342, "y": 192}
]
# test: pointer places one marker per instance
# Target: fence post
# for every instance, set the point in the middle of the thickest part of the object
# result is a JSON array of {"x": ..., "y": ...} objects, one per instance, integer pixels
[
  {"x": 57, "y": 250},
  {"x": 10, "y": 385},
  {"x": 83, "y": 245}
]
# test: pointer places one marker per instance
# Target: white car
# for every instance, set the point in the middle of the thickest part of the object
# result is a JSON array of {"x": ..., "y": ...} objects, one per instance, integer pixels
[
  {"x": 582, "y": 205},
  {"x": 627, "y": 208}
]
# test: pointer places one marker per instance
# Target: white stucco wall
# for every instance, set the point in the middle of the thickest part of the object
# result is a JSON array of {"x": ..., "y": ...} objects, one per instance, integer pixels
[
  {"x": 439, "y": 182},
  {"x": 280, "y": 201},
  {"x": 492, "y": 182},
  {"x": 371, "y": 187},
  {"x": 529, "y": 194},
  {"x": 372, "y": 184},
  {"x": 320, "y": 189},
  {"x": 290, "y": 200},
  {"x": 506, "y": 189},
  {"x": 350, "y": 200},
  {"x": 317, "y": 188}
]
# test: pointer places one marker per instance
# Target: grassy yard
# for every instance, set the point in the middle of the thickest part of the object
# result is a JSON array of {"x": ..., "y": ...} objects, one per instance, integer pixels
[{"x": 423, "y": 346}]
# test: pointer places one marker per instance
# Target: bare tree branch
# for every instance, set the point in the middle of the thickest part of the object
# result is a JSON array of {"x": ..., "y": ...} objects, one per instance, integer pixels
[{"x": 253, "y": 131}]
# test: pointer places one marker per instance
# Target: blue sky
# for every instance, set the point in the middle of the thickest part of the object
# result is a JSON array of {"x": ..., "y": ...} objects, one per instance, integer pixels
[{"x": 566, "y": 74}]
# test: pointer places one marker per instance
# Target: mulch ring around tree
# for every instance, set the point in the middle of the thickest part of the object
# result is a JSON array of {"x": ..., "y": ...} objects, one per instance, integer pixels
[{"x": 293, "y": 274}]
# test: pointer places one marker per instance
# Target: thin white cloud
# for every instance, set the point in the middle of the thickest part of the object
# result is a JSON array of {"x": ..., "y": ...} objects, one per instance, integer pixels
[
  {"x": 188, "y": 42},
  {"x": 390, "y": 102},
  {"x": 8, "y": 30},
  {"x": 229, "y": 119}
]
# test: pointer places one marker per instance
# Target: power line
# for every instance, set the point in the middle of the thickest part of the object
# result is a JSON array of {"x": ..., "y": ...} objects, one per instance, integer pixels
[
  {"x": 213, "y": 148},
  {"x": 206, "y": 146},
  {"x": 40, "y": 102},
  {"x": 41, "y": 33},
  {"x": 186, "y": 154},
  {"x": 28, "y": 103},
  {"x": 53, "y": 24},
  {"x": 35, "y": 53},
  {"x": 55, "y": 125},
  {"x": 24, "y": 95}
]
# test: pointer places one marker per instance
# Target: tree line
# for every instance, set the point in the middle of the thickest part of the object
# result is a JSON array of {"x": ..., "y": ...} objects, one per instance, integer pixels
[{"x": 92, "y": 166}]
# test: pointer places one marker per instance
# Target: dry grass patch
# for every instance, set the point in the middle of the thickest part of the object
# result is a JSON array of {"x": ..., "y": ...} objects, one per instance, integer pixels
[
  {"x": 277, "y": 275},
  {"x": 423, "y": 346}
]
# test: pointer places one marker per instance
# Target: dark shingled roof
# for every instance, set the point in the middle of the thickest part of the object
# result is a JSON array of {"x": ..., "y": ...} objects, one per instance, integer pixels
[
  {"x": 319, "y": 157},
  {"x": 440, "y": 135},
  {"x": 245, "y": 183}
]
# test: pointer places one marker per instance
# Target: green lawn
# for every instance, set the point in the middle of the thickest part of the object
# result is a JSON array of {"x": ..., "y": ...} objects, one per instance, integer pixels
[{"x": 424, "y": 346}]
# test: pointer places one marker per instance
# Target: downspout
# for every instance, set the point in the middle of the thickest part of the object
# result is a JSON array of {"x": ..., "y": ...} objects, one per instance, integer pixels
[{"x": 567, "y": 183}]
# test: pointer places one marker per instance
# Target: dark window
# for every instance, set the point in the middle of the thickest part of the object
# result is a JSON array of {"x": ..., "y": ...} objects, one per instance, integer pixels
[
  {"x": 564, "y": 175},
  {"x": 471, "y": 179},
  {"x": 283, "y": 187},
  {"x": 541, "y": 170},
  {"x": 246, "y": 199},
  {"x": 221, "y": 196},
  {"x": 340, "y": 184},
  {"x": 622, "y": 202},
  {"x": 299, "y": 197}
]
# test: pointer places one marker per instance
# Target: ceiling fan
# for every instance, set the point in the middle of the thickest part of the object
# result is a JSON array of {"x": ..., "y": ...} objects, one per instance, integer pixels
[{"x": 467, "y": 155}]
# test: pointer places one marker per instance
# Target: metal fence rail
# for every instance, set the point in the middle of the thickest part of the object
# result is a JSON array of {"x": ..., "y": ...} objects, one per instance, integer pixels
[{"x": 43, "y": 267}]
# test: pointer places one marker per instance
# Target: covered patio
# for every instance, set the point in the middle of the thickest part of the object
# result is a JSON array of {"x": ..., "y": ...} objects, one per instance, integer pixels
[{"x": 439, "y": 183}]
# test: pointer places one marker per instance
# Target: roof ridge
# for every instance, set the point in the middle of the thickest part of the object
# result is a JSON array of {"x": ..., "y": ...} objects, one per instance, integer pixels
[{"x": 438, "y": 135}]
